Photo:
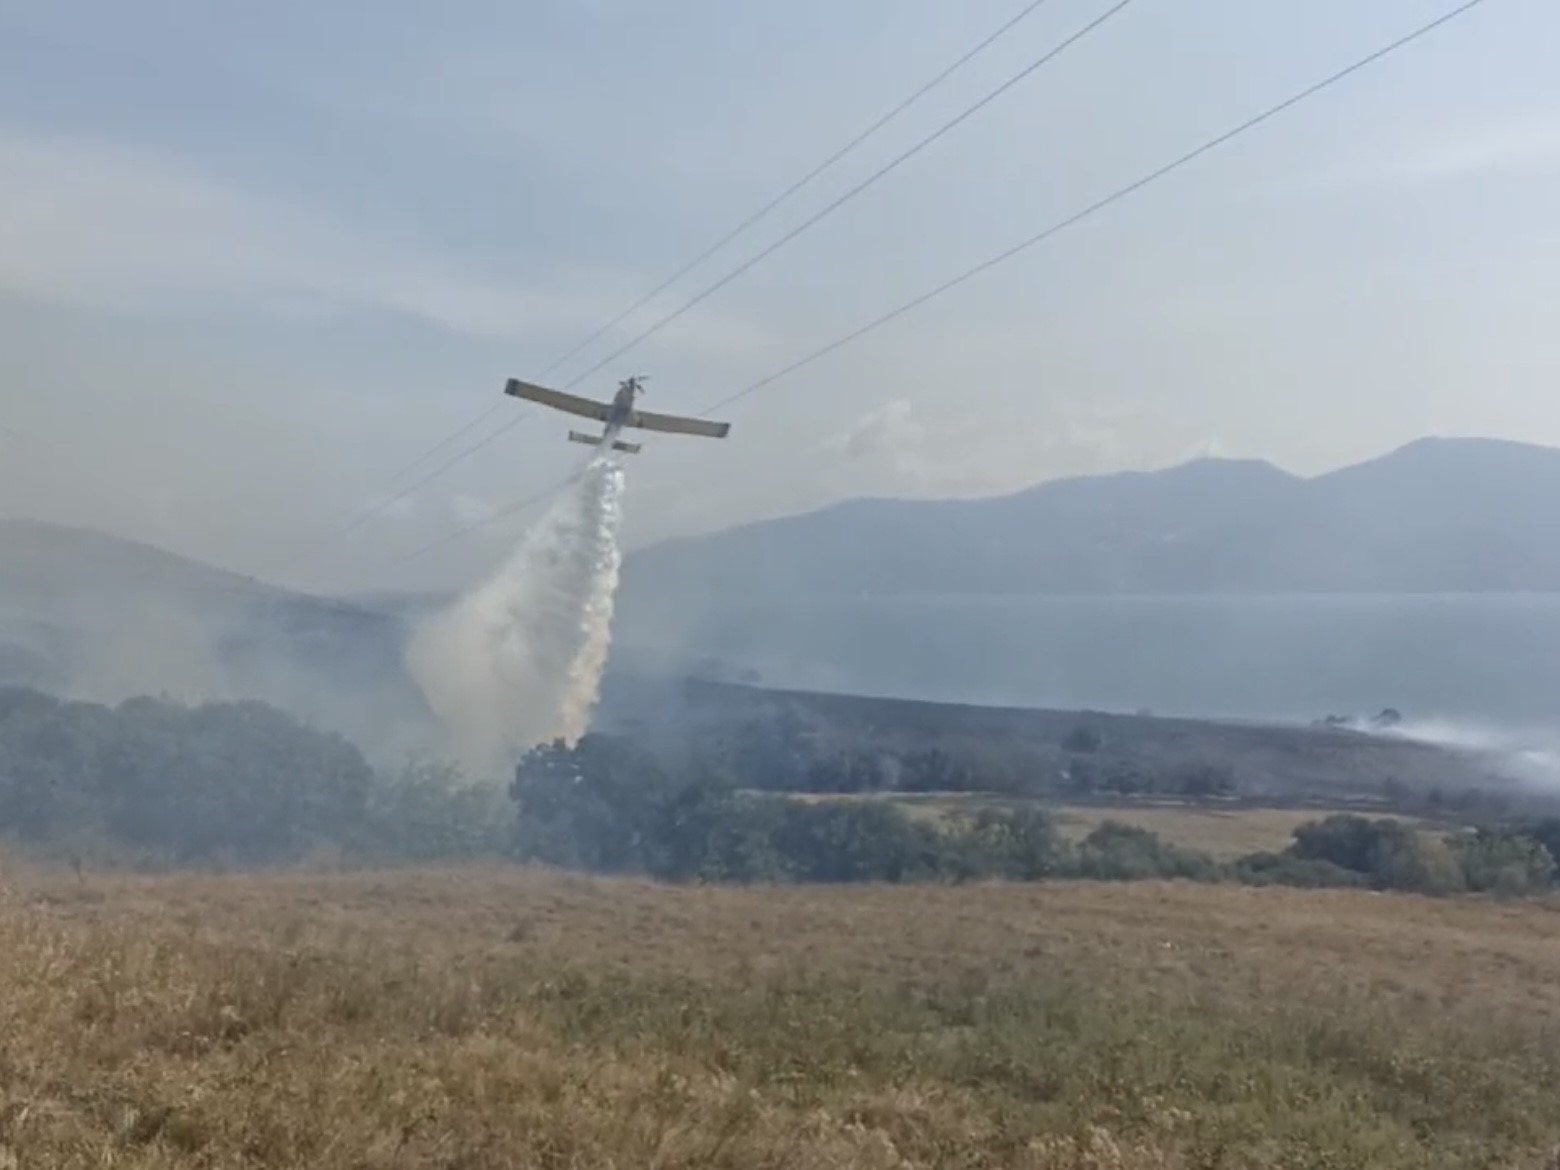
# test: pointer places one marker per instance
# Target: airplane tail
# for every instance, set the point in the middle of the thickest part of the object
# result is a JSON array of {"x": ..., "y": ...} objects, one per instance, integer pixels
[{"x": 595, "y": 441}]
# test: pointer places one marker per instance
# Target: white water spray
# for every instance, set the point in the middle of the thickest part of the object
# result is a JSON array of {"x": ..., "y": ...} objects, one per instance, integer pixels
[{"x": 518, "y": 660}]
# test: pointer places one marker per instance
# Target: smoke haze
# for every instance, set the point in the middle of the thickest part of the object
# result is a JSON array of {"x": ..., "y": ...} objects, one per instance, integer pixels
[{"x": 1526, "y": 754}]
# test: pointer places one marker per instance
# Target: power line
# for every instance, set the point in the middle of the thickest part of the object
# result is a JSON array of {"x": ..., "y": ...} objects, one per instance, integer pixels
[
  {"x": 904, "y": 105},
  {"x": 512, "y": 510},
  {"x": 377, "y": 509},
  {"x": 1100, "y": 204},
  {"x": 451, "y": 438},
  {"x": 827, "y": 210},
  {"x": 388, "y": 502},
  {"x": 1009, "y": 253},
  {"x": 880, "y": 173},
  {"x": 362, "y": 517}
]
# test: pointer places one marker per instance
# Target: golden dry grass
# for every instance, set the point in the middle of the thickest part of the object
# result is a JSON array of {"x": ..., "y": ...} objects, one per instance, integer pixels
[
  {"x": 1222, "y": 833},
  {"x": 478, "y": 1019}
]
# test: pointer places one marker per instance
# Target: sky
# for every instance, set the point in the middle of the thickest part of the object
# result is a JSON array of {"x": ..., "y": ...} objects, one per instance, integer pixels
[{"x": 257, "y": 259}]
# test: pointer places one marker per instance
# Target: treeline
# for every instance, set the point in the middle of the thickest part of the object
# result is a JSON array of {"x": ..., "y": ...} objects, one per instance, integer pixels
[
  {"x": 235, "y": 784},
  {"x": 786, "y": 745},
  {"x": 606, "y": 807},
  {"x": 155, "y": 783},
  {"x": 781, "y": 750}
]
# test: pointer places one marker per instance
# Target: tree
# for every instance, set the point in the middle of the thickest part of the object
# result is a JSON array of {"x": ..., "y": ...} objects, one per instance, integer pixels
[
  {"x": 1504, "y": 862},
  {"x": 1387, "y": 852},
  {"x": 585, "y": 807},
  {"x": 1285, "y": 869},
  {"x": 1201, "y": 781},
  {"x": 1125, "y": 780},
  {"x": 239, "y": 783},
  {"x": 1346, "y": 840},
  {"x": 1082, "y": 776},
  {"x": 1119, "y": 852},
  {"x": 857, "y": 841},
  {"x": 426, "y": 811},
  {"x": 1419, "y": 863},
  {"x": 1084, "y": 739},
  {"x": 1021, "y": 844},
  {"x": 1544, "y": 830}
]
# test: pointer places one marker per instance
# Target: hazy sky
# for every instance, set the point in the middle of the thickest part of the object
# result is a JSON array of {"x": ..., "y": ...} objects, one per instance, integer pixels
[{"x": 252, "y": 264}]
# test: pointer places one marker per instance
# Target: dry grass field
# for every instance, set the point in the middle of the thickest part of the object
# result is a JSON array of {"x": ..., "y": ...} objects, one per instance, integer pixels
[
  {"x": 1222, "y": 833},
  {"x": 477, "y": 1019}
]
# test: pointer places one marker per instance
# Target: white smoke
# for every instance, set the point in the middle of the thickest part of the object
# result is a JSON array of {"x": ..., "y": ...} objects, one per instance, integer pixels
[
  {"x": 1528, "y": 755},
  {"x": 518, "y": 661}
]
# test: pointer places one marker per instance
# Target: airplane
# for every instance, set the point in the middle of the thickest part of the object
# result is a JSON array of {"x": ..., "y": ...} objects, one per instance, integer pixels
[{"x": 616, "y": 415}]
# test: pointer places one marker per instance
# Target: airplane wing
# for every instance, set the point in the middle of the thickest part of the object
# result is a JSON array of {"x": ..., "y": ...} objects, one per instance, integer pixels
[
  {"x": 558, "y": 400},
  {"x": 676, "y": 425}
]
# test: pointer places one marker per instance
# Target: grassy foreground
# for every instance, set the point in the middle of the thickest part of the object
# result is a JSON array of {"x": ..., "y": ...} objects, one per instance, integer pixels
[{"x": 477, "y": 1019}]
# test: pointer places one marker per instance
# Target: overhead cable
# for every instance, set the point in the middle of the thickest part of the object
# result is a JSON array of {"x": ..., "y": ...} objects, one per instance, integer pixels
[
  {"x": 380, "y": 506},
  {"x": 1007, "y": 254}
]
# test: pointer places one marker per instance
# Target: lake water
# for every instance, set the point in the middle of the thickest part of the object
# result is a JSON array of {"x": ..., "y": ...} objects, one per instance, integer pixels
[{"x": 1486, "y": 659}]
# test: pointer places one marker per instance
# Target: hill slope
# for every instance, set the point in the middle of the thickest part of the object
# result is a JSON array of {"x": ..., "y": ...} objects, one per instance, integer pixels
[
  {"x": 95, "y": 616},
  {"x": 1026, "y": 750},
  {"x": 1435, "y": 516}
]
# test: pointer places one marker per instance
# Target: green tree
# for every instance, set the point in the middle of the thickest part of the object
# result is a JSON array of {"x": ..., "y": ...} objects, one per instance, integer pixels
[
  {"x": 427, "y": 811},
  {"x": 1202, "y": 781},
  {"x": 1119, "y": 852},
  {"x": 1084, "y": 739},
  {"x": 1504, "y": 862},
  {"x": 1022, "y": 844},
  {"x": 239, "y": 783},
  {"x": 1387, "y": 852}
]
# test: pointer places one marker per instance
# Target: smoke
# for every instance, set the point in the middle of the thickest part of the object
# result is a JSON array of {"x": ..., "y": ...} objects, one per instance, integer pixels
[
  {"x": 518, "y": 660},
  {"x": 1528, "y": 755}
]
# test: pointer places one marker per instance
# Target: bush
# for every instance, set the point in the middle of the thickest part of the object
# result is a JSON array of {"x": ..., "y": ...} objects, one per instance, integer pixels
[
  {"x": 1202, "y": 781},
  {"x": 1083, "y": 740},
  {"x": 1503, "y": 862},
  {"x": 1118, "y": 852},
  {"x": 1390, "y": 855},
  {"x": 1285, "y": 869},
  {"x": 221, "y": 783},
  {"x": 602, "y": 806}
]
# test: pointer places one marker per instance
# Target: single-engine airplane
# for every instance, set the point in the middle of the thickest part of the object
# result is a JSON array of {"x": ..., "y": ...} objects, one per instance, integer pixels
[{"x": 616, "y": 415}]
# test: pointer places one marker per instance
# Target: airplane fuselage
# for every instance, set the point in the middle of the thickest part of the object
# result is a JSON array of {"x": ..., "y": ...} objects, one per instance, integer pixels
[
  {"x": 615, "y": 415},
  {"x": 622, "y": 411}
]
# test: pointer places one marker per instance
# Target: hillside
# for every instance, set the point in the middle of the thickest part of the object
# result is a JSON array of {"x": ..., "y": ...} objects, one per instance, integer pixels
[
  {"x": 1034, "y": 752},
  {"x": 96, "y": 616},
  {"x": 1440, "y": 515}
]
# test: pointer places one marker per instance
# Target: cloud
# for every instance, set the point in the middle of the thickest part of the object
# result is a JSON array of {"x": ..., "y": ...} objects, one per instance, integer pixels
[
  {"x": 893, "y": 445},
  {"x": 892, "y": 429},
  {"x": 93, "y": 224}
]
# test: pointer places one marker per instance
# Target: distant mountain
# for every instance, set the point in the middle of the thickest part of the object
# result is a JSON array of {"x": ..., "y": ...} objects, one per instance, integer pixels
[
  {"x": 95, "y": 616},
  {"x": 98, "y": 617},
  {"x": 1440, "y": 515}
]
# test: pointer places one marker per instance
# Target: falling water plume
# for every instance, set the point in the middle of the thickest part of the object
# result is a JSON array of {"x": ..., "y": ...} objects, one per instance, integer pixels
[{"x": 518, "y": 660}]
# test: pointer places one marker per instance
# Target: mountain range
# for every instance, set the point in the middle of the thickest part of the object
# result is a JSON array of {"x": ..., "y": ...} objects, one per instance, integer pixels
[
  {"x": 1436, "y": 516},
  {"x": 94, "y": 615}
]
